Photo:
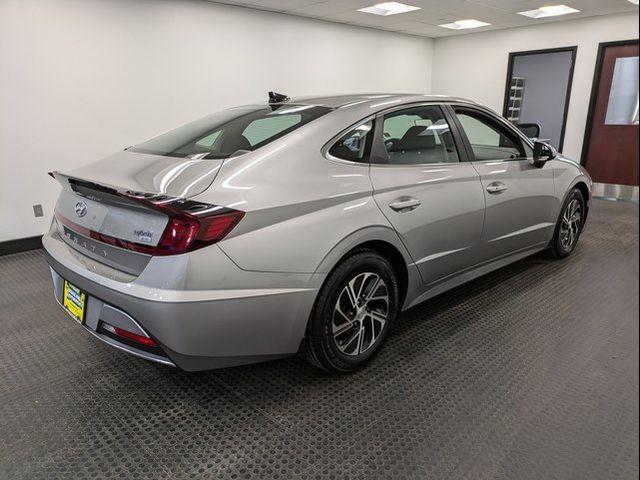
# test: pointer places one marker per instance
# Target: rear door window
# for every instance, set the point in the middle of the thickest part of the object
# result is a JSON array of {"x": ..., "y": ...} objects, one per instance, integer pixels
[{"x": 418, "y": 135}]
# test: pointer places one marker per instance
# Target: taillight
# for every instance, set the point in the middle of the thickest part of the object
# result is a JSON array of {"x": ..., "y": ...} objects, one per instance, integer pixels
[
  {"x": 186, "y": 232},
  {"x": 191, "y": 225}
]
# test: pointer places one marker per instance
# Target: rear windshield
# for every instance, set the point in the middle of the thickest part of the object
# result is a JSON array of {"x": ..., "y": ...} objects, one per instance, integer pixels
[{"x": 231, "y": 132}]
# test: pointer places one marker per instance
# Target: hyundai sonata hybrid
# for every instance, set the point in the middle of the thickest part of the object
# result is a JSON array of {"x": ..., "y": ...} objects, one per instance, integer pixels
[{"x": 302, "y": 226}]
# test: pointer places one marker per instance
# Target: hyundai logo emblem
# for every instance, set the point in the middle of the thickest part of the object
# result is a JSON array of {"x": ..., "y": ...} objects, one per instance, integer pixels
[{"x": 81, "y": 209}]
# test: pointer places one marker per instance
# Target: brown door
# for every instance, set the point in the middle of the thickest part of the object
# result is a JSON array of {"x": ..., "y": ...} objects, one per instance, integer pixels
[{"x": 611, "y": 140}]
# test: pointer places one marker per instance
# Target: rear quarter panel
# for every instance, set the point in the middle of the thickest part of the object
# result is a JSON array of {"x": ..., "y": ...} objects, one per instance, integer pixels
[{"x": 299, "y": 205}]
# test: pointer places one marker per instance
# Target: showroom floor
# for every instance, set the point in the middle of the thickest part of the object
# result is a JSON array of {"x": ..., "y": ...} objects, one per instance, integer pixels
[{"x": 530, "y": 372}]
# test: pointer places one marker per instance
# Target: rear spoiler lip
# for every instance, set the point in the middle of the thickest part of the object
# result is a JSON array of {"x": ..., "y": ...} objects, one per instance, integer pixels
[
  {"x": 79, "y": 186},
  {"x": 152, "y": 174},
  {"x": 138, "y": 200},
  {"x": 65, "y": 180}
]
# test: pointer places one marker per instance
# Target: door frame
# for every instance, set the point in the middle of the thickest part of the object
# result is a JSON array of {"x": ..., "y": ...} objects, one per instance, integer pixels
[
  {"x": 595, "y": 85},
  {"x": 574, "y": 52},
  {"x": 378, "y": 155}
]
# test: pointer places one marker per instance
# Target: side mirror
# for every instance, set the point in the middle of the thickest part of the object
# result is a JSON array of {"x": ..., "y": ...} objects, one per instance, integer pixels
[{"x": 542, "y": 153}]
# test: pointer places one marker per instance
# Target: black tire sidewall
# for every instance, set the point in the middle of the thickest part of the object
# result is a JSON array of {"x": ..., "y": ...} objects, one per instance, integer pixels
[{"x": 320, "y": 332}]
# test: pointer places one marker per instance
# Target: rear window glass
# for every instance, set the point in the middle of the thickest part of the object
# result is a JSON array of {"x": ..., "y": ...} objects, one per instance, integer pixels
[
  {"x": 264, "y": 128},
  {"x": 230, "y": 132}
]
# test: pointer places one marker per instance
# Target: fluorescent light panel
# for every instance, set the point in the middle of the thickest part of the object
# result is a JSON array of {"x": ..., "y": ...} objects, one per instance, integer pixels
[
  {"x": 389, "y": 8},
  {"x": 549, "y": 11},
  {"x": 464, "y": 24}
]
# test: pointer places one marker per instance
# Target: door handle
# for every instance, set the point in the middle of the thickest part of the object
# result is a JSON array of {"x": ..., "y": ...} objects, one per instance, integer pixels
[
  {"x": 496, "y": 187},
  {"x": 405, "y": 204}
]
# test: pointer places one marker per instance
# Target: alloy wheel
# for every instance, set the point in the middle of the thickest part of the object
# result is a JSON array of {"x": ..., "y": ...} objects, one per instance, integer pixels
[
  {"x": 360, "y": 313},
  {"x": 571, "y": 223}
]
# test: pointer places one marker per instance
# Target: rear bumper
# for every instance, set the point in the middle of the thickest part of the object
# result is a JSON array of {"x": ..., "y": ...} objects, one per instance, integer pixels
[
  {"x": 98, "y": 311},
  {"x": 201, "y": 330}
]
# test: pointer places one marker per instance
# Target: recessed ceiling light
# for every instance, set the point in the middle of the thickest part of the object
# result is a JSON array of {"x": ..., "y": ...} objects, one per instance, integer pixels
[
  {"x": 389, "y": 8},
  {"x": 549, "y": 11},
  {"x": 463, "y": 24}
]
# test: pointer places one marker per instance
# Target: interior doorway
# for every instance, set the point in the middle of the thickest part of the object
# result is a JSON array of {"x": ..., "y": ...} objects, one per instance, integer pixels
[
  {"x": 538, "y": 90},
  {"x": 610, "y": 149}
]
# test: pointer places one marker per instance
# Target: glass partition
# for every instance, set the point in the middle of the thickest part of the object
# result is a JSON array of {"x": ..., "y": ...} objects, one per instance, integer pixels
[{"x": 622, "y": 108}]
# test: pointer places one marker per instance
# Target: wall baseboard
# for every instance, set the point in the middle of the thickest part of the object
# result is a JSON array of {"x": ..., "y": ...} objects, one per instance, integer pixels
[
  {"x": 609, "y": 191},
  {"x": 20, "y": 245}
]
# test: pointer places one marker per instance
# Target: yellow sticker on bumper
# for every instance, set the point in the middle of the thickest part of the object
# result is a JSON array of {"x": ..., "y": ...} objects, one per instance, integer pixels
[{"x": 74, "y": 301}]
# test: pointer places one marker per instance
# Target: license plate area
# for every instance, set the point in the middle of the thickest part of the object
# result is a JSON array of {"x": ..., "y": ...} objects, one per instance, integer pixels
[{"x": 74, "y": 301}]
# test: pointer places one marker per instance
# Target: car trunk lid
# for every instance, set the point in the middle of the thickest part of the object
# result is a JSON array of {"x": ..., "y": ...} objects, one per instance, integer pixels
[{"x": 142, "y": 172}]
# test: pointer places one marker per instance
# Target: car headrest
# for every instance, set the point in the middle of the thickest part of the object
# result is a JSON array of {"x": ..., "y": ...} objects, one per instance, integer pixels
[
  {"x": 416, "y": 138},
  {"x": 235, "y": 143}
]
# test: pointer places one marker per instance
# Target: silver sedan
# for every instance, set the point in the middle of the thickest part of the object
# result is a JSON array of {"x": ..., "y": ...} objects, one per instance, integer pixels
[{"x": 302, "y": 226}]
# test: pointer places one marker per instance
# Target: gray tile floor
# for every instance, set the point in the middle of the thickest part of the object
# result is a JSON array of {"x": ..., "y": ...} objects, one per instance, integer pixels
[{"x": 529, "y": 372}]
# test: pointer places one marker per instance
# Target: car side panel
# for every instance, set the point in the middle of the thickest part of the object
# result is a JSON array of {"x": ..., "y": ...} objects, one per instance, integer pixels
[
  {"x": 522, "y": 215},
  {"x": 301, "y": 237},
  {"x": 519, "y": 196},
  {"x": 443, "y": 233}
]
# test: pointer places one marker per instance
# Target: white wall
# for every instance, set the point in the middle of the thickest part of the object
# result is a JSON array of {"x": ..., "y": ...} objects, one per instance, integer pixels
[
  {"x": 475, "y": 65},
  {"x": 80, "y": 79}
]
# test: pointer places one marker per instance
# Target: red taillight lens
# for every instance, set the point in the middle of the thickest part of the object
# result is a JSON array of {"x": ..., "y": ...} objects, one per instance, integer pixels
[
  {"x": 191, "y": 225},
  {"x": 184, "y": 232},
  {"x": 179, "y": 234},
  {"x": 216, "y": 227}
]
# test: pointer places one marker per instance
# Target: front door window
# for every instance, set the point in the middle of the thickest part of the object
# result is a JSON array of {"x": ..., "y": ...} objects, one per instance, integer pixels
[{"x": 489, "y": 140}]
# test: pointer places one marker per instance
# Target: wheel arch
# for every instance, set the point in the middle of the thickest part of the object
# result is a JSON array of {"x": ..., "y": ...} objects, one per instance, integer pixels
[
  {"x": 579, "y": 183},
  {"x": 382, "y": 240},
  {"x": 586, "y": 194},
  {"x": 385, "y": 242},
  {"x": 396, "y": 260}
]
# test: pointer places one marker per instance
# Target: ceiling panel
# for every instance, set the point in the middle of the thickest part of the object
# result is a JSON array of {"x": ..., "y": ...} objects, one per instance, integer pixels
[
  {"x": 355, "y": 17},
  {"x": 318, "y": 10},
  {"x": 277, "y": 5},
  {"x": 500, "y": 13}
]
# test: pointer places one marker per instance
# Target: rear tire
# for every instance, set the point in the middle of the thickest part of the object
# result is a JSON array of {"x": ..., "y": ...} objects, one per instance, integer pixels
[
  {"x": 353, "y": 312},
  {"x": 569, "y": 226}
]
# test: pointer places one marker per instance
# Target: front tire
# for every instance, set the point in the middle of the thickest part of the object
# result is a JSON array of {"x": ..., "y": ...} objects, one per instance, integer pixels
[
  {"x": 352, "y": 314},
  {"x": 569, "y": 226}
]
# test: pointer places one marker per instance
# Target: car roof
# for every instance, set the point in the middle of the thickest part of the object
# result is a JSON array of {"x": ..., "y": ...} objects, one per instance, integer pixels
[{"x": 373, "y": 99}]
